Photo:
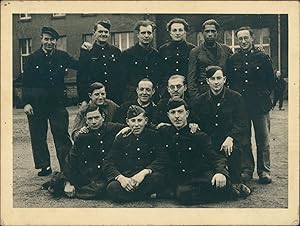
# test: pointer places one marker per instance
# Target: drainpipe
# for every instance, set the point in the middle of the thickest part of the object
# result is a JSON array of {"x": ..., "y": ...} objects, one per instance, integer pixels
[{"x": 279, "y": 43}]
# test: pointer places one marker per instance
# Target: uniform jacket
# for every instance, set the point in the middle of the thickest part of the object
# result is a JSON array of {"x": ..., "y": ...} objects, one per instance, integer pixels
[
  {"x": 129, "y": 155},
  {"x": 251, "y": 74},
  {"x": 85, "y": 160},
  {"x": 100, "y": 64},
  {"x": 200, "y": 58},
  {"x": 109, "y": 109},
  {"x": 43, "y": 77},
  {"x": 191, "y": 154},
  {"x": 121, "y": 113},
  {"x": 138, "y": 63},
  {"x": 175, "y": 59},
  {"x": 280, "y": 85},
  {"x": 222, "y": 116}
]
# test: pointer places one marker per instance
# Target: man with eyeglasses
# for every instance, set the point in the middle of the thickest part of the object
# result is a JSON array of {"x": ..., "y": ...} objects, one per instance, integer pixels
[
  {"x": 175, "y": 54},
  {"x": 140, "y": 61},
  {"x": 99, "y": 62},
  {"x": 209, "y": 53},
  {"x": 250, "y": 72}
]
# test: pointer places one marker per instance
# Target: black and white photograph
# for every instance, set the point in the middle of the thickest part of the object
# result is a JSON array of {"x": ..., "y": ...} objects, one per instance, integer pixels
[{"x": 149, "y": 112}]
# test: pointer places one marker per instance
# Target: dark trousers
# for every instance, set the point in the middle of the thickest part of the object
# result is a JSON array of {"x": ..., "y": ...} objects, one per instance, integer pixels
[
  {"x": 278, "y": 96},
  {"x": 38, "y": 126},
  {"x": 198, "y": 189},
  {"x": 261, "y": 124},
  {"x": 93, "y": 190},
  {"x": 151, "y": 184},
  {"x": 234, "y": 162}
]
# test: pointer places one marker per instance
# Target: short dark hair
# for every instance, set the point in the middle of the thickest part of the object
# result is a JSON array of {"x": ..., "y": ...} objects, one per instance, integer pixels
[
  {"x": 210, "y": 22},
  {"x": 145, "y": 80},
  {"x": 177, "y": 76},
  {"x": 144, "y": 23},
  {"x": 93, "y": 107},
  {"x": 244, "y": 28},
  {"x": 95, "y": 85},
  {"x": 178, "y": 20},
  {"x": 176, "y": 102}
]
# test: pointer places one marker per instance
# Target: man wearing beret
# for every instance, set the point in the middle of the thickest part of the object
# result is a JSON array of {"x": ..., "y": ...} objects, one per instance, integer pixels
[
  {"x": 43, "y": 97},
  {"x": 222, "y": 115},
  {"x": 145, "y": 91},
  {"x": 135, "y": 162},
  {"x": 99, "y": 62},
  {"x": 197, "y": 173},
  {"x": 140, "y": 61},
  {"x": 209, "y": 53},
  {"x": 97, "y": 95},
  {"x": 250, "y": 72},
  {"x": 175, "y": 54}
]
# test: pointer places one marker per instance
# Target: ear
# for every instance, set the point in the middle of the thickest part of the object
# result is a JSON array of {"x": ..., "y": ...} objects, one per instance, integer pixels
[
  {"x": 185, "y": 87},
  {"x": 137, "y": 89},
  {"x": 187, "y": 113},
  {"x": 127, "y": 121},
  {"x": 153, "y": 91},
  {"x": 207, "y": 81},
  {"x": 89, "y": 95},
  {"x": 225, "y": 78},
  {"x": 146, "y": 120}
]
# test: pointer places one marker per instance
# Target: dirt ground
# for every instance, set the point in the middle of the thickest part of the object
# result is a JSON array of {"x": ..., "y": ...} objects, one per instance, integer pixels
[{"x": 27, "y": 191}]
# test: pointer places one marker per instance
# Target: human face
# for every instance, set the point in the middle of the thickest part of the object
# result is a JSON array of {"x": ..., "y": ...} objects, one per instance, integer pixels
[
  {"x": 176, "y": 87},
  {"x": 102, "y": 34},
  {"x": 216, "y": 82},
  {"x": 178, "y": 116},
  {"x": 94, "y": 120},
  {"x": 177, "y": 32},
  {"x": 210, "y": 34},
  {"x": 48, "y": 42},
  {"x": 145, "y": 91},
  {"x": 137, "y": 124},
  {"x": 245, "y": 40},
  {"x": 145, "y": 35},
  {"x": 98, "y": 96},
  {"x": 278, "y": 74}
]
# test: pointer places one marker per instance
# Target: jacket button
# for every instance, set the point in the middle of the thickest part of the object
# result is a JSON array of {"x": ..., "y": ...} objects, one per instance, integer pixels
[
  {"x": 99, "y": 134},
  {"x": 103, "y": 56},
  {"x": 105, "y": 80},
  {"x": 246, "y": 80},
  {"x": 177, "y": 134},
  {"x": 135, "y": 62},
  {"x": 177, "y": 69},
  {"x": 246, "y": 63},
  {"x": 137, "y": 138},
  {"x": 101, "y": 141},
  {"x": 138, "y": 158},
  {"x": 105, "y": 72},
  {"x": 138, "y": 149},
  {"x": 166, "y": 58},
  {"x": 85, "y": 162},
  {"x": 88, "y": 146},
  {"x": 98, "y": 166},
  {"x": 190, "y": 148},
  {"x": 257, "y": 68},
  {"x": 217, "y": 116},
  {"x": 246, "y": 72},
  {"x": 216, "y": 124},
  {"x": 176, "y": 143},
  {"x": 177, "y": 54},
  {"x": 37, "y": 66},
  {"x": 235, "y": 69},
  {"x": 218, "y": 104},
  {"x": 146, "y": 68},
  {"x": 103, "y": 150},
  {"x": 104, "y": 64},
  {"x": 126, "y": 153},
  {"x": 176, "y": 62},
  {"x": 167, "y": 145},
  {"x": 183, "y": 170}
]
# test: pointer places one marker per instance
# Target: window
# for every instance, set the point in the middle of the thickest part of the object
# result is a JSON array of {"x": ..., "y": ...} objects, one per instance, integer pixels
[
  {"x": 25, "y": 50},
  {"x": 200, "y": 39},
  {"x": 58, "y": 15},
  {"x": 261, "y": 38},
  {"x": 122, "y": 40},
  {"x": 25, "y": 16},
  {"x": 62, "y": 43},
  {"x": 87, "y": 37}
]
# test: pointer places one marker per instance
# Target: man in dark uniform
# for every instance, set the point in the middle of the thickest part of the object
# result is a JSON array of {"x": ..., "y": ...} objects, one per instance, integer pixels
[
  {"x": 140, "y": 61},
  {"x": 207, "y": 54},
  {"x": 279, "y": 88},
  {"x": 134, "y": 164},
  {"x": 175, "y": 54},
  {"x": 99, "y": 62},
  {"x": 222, "y": 115},
  {"x": 197, "y": 172},
  {"x": 43, "y": 97},
  {"x": 83, "y": 170},
  {"x": 145, "y": 92},
  {"x": 97, "y": 94},
  {"x": 250, "y": 72}
]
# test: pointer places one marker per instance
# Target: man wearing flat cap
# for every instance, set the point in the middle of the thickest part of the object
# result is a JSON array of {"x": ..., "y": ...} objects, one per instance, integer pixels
[
  {"x": 134, "y": 165},
  {"x": 221, "y": 113},
  {"x": 209, "y": 53},
  {"x": 141, "y": 60},
  {"x": 196, "y": 172},
  {"x": 175, "y": 54},
  {"x": 43, "y": 97},
  {"x": 99, "y": 62}
]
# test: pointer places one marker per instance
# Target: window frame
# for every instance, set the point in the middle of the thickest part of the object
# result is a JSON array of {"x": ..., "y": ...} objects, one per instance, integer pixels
[
  {"x": 26, "y": 17},
  {"x": 28, "y": 47}
]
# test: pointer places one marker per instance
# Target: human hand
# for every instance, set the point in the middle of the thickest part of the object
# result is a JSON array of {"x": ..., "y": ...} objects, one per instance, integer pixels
[
  {"x": 162, "y": 124},
  {"x": 218, "y": 180},
  {"x": 28, "y": 109},
  {"x": 87, "y": 46},
  {"x": 127, "y": 183},
  {"x": 69, "y": 190},
  {"x": 194, "y": 127},
  {"x": 227, "y": 146},
  {"x": 84, "y": 129},
  {"x": 125, "y": 132},
  {"x": 140, "y": 176}
]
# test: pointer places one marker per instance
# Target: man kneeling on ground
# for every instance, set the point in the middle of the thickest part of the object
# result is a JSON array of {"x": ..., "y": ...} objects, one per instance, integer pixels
[
  {"x": 197, "y": 173},
  {"x": 134, "y": 163}
]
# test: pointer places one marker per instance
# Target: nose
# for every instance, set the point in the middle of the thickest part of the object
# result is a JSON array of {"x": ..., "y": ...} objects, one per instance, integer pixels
[{"x": 94, "y": 121}]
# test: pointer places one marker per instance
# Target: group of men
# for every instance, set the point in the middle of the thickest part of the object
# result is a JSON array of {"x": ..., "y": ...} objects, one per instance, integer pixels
[{"x": 173, "y": 122}]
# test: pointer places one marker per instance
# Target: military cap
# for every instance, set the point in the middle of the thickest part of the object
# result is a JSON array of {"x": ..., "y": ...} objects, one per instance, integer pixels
[
  {"x": 134, "y": 111},
  {"x": 50, "y": 31},
  {"x": 105, "y": 23},
  {"x": 175, "y": 103},
  {"x": 211, "y": 70}
]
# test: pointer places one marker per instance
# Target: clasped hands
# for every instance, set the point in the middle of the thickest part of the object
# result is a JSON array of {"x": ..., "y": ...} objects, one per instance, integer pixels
[{"x": 132, "y": 183}]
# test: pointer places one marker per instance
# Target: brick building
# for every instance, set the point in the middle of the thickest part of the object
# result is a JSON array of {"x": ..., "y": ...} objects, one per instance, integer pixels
[{"x": 270, "y": 32}]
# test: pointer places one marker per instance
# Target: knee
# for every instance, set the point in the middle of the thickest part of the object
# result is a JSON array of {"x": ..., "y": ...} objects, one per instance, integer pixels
[
  {"x": 184, "y": 194},
  {"x": 115, "y": 191}
]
